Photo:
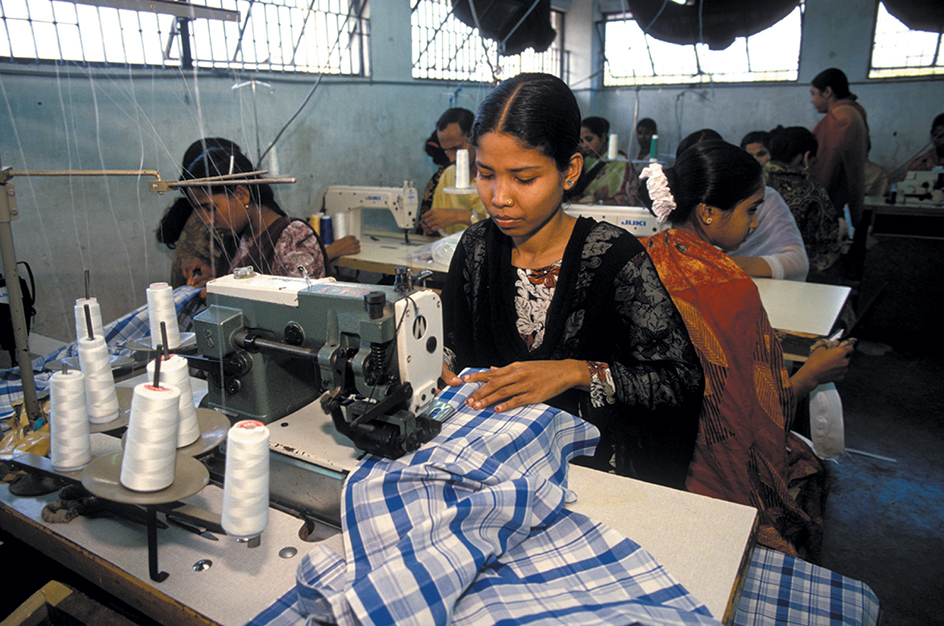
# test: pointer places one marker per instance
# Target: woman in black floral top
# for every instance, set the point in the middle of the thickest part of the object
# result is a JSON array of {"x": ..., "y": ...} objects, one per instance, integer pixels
[{"x": 565, "y": 310}]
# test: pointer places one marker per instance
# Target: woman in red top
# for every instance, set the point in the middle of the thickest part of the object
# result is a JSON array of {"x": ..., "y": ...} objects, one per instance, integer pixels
[{"x": 744, "y": 450}]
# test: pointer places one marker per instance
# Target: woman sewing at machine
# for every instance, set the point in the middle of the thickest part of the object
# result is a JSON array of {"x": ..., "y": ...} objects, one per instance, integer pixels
[
  {"x": 269, "y": 240},
  {"x": 199, "y": 254},
  {"x": 565, "y": 310},
  {"x": 745, "y": 452}
]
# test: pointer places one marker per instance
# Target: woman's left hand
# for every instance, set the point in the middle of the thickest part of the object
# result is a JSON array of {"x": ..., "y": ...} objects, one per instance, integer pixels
[{"x": 526, "y": 382}]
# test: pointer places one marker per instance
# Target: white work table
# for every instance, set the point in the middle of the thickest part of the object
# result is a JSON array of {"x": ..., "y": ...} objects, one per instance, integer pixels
[
  {"x": 240, "y": 582},
  {"x": 703, "y": 542},
  {"x": 810, "y": 308},
  {"x": 383, "y": 252}
]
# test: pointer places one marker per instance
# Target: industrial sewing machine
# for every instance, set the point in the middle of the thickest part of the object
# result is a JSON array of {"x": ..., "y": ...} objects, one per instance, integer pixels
[
  {"x": 372, "y": 354},
  {"x": 637, "y": 220},
  {"x": 402, "y": 202},
  {"x": 922, "y": 188}
]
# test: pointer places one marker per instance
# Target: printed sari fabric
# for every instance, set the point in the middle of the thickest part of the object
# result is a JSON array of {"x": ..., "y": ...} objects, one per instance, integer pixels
[{"x": 744, "y": 451}]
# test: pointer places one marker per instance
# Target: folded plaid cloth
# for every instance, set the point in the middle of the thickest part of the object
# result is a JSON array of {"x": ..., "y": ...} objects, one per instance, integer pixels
[{"x": 783, "y": 590}]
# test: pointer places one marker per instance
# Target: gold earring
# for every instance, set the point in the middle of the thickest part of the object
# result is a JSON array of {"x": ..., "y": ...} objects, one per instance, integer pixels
[{"x": 708, "y": 220}]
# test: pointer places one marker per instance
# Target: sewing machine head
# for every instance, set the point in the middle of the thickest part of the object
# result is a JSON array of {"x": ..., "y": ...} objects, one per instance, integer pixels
[
  {"x": 402, "y": 202},
  {"x": 922, "y": 188},
  {"x": 637, "y": 220},
  {"x": 272, "y": 345}
]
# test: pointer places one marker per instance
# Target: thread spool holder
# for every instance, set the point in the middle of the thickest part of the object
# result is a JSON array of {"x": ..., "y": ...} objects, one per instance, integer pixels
[{"x": 102, "y": 478}]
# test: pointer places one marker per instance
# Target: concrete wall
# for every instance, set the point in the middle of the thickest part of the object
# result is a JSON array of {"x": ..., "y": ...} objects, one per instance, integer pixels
[{"x": 352, "y": 131}]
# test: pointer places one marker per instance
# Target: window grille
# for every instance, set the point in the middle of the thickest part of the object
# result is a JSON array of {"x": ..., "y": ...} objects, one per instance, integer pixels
[
  {"x": 273, "y": 35},
  {"x": 444, "y": 48},
  {"x": 900, "y": 51},
  {"x": 632, "y": 57}
]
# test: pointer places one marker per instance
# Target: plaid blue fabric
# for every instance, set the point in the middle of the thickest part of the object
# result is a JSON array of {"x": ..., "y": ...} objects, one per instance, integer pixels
[
  {"x": 782, "y": 590},
  {"x": 129, "y": 327},
  {"x": 473, "y": 530}
]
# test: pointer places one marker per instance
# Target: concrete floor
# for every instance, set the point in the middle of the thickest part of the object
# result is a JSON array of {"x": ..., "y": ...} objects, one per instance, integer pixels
[{"x": 885, "y": 519}]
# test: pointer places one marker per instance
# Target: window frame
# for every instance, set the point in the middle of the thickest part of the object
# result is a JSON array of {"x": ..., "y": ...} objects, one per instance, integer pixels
[
  {"x": 931, "y": 71},
  {"x": 498, "y": 67},
  {"x": 698, "y": 51},
  {"x": 192, "y": 32}
]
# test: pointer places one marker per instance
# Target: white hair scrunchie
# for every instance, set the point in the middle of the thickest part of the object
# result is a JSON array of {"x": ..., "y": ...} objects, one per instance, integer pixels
[{"x": 663, "y": 202}]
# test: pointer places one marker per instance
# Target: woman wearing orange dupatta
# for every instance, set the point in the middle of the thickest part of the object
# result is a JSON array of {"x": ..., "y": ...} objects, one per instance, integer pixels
[{"x": 744, "y": 451}]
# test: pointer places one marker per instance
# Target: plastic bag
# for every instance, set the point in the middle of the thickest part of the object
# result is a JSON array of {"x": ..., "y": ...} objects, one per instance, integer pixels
[
  {"x": 439, "y": 251},
  {"x": 827, "y": 429}
]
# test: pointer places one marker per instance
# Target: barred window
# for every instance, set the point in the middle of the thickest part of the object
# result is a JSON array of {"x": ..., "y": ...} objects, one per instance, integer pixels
[
  {"x": 273, "y": 35},
  {"x": 631, "y": 57},
  {"x": 898, "y": 50},
  {"x": 444, "y": 48}
]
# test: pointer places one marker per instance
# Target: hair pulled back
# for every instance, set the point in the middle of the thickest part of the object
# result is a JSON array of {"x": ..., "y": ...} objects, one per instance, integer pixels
[
  {"x": 788, "y": 143},
  {"x": 705, "y": 134},
  {"x": 222, "y": 161},
  {"x": 176, "y": 216},
  {"x": 756, "y": 136},
  {"x": 597, "y": 125},
  {"x": 647, "y": 122},
  {"x": 938, "y": 121},
  {"x": 458, "y": 115},
  {"x": 714, "y": 172},
  {"x": 834, "y": 78},
  {"x": 539, "y": 110}
]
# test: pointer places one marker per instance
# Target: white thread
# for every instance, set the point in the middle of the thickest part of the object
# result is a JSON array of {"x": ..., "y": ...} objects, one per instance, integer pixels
[
  {"x": 70, "y": 446},
  {"x": 340, "y": 226},
  {"x": 273, "y": 162},
  {"x": 149, "y": 462},
  {"x": 176, "y": 371},
  {"x": 462, "y": 169},
  {"x": 81, "y": 327},
  {"x": 246, "y": 480},
  {"x": 100, "y": 397},
  {"x": 161, "y": 308},
  {"x": 613, "y": 147}
]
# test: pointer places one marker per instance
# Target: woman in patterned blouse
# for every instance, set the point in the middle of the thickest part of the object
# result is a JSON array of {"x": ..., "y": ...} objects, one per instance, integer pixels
[
  {"x": 565, "y": 310},
  {"x": 269, "y": 240}
]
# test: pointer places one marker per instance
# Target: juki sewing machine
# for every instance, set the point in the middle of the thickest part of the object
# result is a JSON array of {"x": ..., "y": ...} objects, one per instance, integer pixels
[
  {"x": 922, "y": 188},
  {"x": 637, "y": 220},
  {"x": 372, "y": 354},
  {"x": 402, "y": 202}
]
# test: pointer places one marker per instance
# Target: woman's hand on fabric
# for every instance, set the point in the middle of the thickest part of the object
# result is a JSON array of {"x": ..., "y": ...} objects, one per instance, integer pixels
[
  {"x": 449, "y": 378},
  {"x": 526, "y": 382},
  {"x": 343, "y": 247}
]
